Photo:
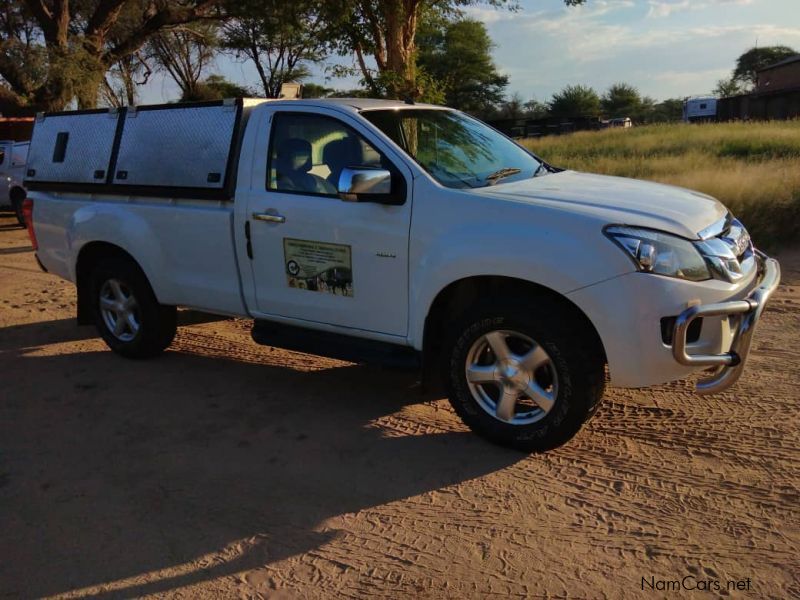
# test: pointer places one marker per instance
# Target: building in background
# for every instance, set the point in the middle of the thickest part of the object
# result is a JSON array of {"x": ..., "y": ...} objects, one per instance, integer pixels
[
  {"x": 777, "y": 95},
  {"x": 781, "y": 76}
]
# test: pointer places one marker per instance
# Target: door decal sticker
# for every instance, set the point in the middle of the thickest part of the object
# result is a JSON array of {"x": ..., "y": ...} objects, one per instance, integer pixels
[{"x": 318, "y": 266}]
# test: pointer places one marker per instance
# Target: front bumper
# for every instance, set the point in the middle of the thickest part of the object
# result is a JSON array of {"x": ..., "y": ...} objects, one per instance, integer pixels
[{"x": 728, "y": 365}]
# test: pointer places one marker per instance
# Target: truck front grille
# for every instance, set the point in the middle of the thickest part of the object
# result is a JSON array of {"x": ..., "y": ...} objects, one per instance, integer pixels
[{"x": 728, "y": 250}]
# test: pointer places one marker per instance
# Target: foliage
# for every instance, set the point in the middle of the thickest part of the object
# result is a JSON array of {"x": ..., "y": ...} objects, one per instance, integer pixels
[
  {"x": 354, "y": 93},
  {"x": 315, "y": 90},
  {"x": 728, "y": 87},
  {"x": 184, "y": 53},
  {"x": 755, "y": 59},
  {"x": 386, "y": 32},
  {"x": 457, "y": 55},
  {"x": 575, "y": 101},
  {"x": 624, "y": 100},
  {"x": 122, "y": 80},
  {"x": 281, "y": 38},
  {"x": 55, "y": 51},
  {"x": 620, "y": 100},
  {"x": 535, "y": 109},
  {"x": 515, "y": 107},
  {"x": 216, "y": 87},
  {"x": 753, "y": 168},
  {"x": 668, "y": 111},
  {"x": 512, "y": 108}
]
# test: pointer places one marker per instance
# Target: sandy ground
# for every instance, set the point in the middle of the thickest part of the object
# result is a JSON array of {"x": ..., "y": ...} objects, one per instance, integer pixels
[{"x": 228, "y": 469}]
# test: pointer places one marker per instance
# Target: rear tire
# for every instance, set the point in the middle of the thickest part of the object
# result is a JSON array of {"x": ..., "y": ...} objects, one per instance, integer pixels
[
  {"x": 523, "y": 375},
  {"x": 126, "y": 313}
]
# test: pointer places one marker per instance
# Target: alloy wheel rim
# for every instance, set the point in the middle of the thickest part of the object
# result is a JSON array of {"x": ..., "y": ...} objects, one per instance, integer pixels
[
  {"x": 511, "y": 377},
  {"x": 119, "y": 310}
]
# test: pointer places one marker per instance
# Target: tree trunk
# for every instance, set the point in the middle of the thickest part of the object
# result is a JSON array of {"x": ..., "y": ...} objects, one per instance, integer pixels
[{"x": 401, "y": 69}]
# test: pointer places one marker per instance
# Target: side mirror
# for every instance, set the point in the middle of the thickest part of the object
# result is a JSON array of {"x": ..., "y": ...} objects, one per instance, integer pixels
[{"x": 367, "y": 184}]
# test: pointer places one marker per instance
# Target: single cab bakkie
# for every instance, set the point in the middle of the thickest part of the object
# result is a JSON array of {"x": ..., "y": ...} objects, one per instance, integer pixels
[
  {"x": 401, "y": 233},
  {"x": 12, "y": 171}
]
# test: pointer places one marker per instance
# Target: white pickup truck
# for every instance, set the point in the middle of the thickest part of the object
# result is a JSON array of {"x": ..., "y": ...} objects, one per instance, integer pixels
[
  {"x": 397, "y": 233},
  {"x": 12, "y": 172}
]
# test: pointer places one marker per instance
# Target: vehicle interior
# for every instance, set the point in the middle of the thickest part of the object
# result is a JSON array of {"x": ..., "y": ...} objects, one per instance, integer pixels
[{"x": 309, "y": 152}]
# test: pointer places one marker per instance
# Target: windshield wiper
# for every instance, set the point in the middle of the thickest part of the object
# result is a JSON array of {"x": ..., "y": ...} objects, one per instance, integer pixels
[{"x": 500, "y": 173}]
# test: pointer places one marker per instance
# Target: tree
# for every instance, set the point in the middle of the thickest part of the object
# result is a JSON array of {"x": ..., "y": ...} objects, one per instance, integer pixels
[
  {"x": 575, "y": 101},
  {"x": 728, "y": 87},
  {"x": 621, "y": 100},
  {"x": 120, "y": 83},
  {"x": 54, "y": 51},
  {"x": 457, "y": 55},
  {"x": 281, "y": 38},
  {"x": 755, "y": 59},
  {"x": 216, "y": 87},
  {"x": 535, "y": 109},
  {"x": 315, "y": 90},
  {"x": 386, "y": 31},
  {"x": 353, "y": 93},
  {"x": 184, "y": 53},
  {"x": 667, "y": 111},
  {"x": 512, "y": 108}
]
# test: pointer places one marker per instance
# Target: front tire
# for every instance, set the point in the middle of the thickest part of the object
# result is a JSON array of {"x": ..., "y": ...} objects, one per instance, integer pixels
[
  {"x": 127, "y": 315},
  {"x": 523, "y": 376}
]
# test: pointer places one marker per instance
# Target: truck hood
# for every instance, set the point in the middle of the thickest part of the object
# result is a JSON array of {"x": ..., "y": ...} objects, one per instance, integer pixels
[{"x": 616, "y": 200}]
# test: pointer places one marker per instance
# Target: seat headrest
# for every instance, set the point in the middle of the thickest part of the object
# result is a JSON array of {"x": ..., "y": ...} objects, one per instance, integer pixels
[
  {"x": 345, "y": 151},
  {"x": 294, "y": 155}
]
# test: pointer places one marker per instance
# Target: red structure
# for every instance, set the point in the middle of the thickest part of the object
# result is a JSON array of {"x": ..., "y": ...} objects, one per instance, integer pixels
[
  {"x": 777, "y": 95},
  {"x": 16, "y": 128},
  {"x": 784, "y": 75}
]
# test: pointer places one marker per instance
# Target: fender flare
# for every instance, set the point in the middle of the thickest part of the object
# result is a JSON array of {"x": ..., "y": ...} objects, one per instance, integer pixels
[{"x": 131, "y": 233}]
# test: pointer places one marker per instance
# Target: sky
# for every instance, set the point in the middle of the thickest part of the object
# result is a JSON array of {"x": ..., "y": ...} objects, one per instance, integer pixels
[{"x": 666, "y": 48}]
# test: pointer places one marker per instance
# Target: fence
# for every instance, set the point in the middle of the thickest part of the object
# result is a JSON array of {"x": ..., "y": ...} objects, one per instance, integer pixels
[{"x": 778, "y": 105}]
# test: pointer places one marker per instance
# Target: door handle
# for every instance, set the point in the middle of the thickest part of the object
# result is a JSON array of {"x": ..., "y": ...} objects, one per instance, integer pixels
[{"x": 269, "y": 217}]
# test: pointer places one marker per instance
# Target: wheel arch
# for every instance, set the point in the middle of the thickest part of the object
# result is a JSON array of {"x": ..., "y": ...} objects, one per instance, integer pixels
[
  {"x": 452, "y": 301},
  {"x": 88, "y": 257}
]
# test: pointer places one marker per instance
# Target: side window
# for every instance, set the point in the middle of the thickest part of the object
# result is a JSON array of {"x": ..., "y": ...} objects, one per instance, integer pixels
[
  {"x": 308, "y": 153},
  {"x": 2, "y": 155}
]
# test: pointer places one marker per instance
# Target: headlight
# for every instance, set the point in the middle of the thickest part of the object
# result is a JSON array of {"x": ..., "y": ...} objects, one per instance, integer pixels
[{"x": 661, "y": 253}]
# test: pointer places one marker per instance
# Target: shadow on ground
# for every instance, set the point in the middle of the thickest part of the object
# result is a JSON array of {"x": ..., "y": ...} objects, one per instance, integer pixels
[{"x": 112, "y": 469}]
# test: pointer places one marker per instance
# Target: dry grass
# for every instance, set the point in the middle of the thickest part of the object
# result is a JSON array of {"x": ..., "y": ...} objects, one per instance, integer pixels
[{"x": 753, "y": 168}]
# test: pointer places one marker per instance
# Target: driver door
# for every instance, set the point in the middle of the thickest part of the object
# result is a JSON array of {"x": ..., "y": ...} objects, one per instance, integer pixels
[{"x": 317, "y": 258}]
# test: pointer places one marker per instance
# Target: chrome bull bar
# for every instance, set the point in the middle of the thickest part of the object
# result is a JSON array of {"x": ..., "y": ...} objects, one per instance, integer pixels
[{"x": 729, "y": 364}]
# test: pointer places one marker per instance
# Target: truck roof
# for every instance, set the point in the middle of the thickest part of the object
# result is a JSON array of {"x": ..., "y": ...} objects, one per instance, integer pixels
[{"x": 357, "y": 104}]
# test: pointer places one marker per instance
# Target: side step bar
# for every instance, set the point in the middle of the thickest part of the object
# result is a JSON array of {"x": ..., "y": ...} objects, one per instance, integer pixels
[{"x": 334, "y": 345}]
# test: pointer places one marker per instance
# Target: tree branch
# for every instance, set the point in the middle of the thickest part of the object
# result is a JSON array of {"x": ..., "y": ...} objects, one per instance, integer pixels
[
  {"x": 104, "y": 16},
  {"x": 164, "y": 18}
]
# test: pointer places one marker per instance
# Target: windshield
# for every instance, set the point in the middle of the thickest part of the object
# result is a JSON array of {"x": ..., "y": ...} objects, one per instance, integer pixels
[{"x": 457, "y": 150}]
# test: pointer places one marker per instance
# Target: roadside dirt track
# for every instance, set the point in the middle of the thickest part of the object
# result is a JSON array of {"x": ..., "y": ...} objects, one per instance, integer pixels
[{"x": 228, "y": 469}]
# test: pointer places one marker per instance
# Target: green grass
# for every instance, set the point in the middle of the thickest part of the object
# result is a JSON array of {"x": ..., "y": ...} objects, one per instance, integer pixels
[{"x": 753, "y": 168}]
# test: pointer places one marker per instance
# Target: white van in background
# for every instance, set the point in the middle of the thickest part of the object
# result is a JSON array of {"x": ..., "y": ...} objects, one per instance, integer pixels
[
  {"x": 13, "y": 156},
  {"x": 700, "y": 109}
]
